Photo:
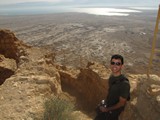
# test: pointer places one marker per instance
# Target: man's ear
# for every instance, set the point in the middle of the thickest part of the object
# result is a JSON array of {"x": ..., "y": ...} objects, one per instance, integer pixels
[{"x": 122, "y": 66}]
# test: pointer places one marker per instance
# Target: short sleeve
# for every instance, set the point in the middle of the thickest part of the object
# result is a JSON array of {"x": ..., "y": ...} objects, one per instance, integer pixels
[{"x": 125, "y": 90}]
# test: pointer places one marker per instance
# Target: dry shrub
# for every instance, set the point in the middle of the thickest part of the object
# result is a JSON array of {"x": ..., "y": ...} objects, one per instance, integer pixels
[{"x": 58, "y": 109}]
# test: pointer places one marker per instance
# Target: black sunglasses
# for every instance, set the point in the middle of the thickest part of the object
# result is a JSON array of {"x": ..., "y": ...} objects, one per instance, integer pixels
[{"x": 116, "y": 63}]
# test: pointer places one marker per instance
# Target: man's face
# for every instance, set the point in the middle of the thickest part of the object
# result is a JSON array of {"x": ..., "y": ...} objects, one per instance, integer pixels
[{"x": 116, "y": 66}]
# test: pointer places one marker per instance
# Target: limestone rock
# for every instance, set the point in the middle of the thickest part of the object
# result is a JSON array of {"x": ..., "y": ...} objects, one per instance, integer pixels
[{"x": 10, "y": 46}]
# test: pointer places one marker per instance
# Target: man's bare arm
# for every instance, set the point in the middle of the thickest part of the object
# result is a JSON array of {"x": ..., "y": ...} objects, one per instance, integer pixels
[{"x": 121, "y": 103}]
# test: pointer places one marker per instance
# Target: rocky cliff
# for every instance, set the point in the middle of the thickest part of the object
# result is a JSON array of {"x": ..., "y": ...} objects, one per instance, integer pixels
[{"x": 29, "y": 75}]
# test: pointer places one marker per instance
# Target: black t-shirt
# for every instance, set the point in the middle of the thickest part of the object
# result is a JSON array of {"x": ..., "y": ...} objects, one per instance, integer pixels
[{"x": 118, "y": 86}]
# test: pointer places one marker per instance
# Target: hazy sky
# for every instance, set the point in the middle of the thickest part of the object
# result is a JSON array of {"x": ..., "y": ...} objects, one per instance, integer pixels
[{"x": 90, "y": 2}]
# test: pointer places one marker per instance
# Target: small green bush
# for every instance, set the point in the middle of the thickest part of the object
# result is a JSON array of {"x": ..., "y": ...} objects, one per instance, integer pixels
[{"x": 58, "y": 109}]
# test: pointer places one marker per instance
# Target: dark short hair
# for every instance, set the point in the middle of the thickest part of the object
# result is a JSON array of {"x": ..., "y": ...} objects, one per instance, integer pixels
[{"x": 117, "y": 56}]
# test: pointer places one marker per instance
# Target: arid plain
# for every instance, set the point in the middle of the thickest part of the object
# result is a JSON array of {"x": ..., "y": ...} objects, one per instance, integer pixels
[{"x": 78, "y": 38}]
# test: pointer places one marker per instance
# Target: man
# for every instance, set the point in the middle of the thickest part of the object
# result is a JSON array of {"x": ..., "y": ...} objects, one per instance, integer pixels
[{"x": 118, "y": 92}]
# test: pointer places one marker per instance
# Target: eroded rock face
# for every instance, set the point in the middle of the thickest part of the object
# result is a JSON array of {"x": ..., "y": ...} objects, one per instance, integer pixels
[
  {"x": 23, "y": 94},
  {"x": 10, "y": 46},
  {"x": 11, "y": 50},
  {"x": 27, "y": 78},
  {"x": 83, "y": 86}
]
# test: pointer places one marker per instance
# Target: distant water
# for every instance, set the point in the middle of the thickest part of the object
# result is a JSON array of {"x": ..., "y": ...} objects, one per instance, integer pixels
[
  {"x": 91, "y": 10},
  {"x": 106, "y": 11}
]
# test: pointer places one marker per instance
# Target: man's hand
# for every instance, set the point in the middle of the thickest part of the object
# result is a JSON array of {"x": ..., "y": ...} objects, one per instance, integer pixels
[{"x": 103, "y": 109}]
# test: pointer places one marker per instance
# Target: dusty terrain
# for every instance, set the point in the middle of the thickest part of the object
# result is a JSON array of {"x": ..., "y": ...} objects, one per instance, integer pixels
[
  {"x": 79, "y": 38},
  {"x": 59, "y": 67}
]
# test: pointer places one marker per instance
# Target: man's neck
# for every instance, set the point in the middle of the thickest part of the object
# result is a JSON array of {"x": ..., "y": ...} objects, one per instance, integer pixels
[{"x": 116, "y": 75}]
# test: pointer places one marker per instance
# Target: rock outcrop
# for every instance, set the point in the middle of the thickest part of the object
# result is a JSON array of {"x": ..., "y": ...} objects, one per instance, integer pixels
[
  {"x": 10, "y": 46},
  {"x": 27, "y": 78},
  {"x": 11, "y": 50}
]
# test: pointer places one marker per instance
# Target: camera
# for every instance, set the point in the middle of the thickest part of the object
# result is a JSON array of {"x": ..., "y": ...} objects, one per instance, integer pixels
[{"x": 103, "y": 103}]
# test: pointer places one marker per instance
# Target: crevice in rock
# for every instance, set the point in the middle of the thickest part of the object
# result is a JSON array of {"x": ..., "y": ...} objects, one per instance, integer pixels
[
  {"x": 88, "y": 88},
  {"x": 4, "y": 74}
]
